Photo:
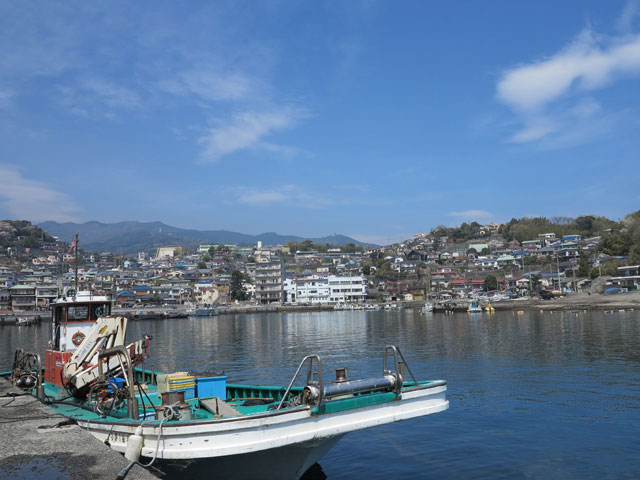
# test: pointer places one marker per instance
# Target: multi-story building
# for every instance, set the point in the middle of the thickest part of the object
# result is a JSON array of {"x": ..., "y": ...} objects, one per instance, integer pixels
[
  {"x": 628, "y": 276},
  {"x": 269, "y": 279},
  {"x": 23, "y": 297},
  {"x": 5, "y": 299},
  {"x": 329, "y": 289},
  {"x": 45, "y": 294}
]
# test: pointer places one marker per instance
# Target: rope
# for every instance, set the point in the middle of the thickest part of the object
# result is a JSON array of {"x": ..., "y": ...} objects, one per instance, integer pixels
[{"x": 123, "y": 473}]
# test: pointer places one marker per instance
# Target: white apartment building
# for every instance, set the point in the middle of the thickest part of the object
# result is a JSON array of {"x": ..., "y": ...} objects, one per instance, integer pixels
[
  {"x": 328, "y": 289},
  {"x": 269, "y": 280}
]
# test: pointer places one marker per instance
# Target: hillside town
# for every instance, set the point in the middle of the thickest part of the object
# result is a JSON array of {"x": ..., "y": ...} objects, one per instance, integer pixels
[{"x": 446, "y": 264}]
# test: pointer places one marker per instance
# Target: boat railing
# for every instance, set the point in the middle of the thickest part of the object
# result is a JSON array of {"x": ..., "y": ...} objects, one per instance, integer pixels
[
  {"x": 309, "y": 361},
  {"x": 316, "y": 392},
  {"x": 399, "y": 365}
]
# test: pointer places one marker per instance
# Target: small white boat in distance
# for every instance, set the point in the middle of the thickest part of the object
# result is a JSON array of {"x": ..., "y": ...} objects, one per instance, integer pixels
[{"x": 474, "y": 307}]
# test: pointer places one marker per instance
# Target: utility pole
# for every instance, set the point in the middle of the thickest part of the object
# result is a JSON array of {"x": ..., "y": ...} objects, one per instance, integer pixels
[
  {"x": 558, "y": 266},
  {"x": 75, "y": 242}
]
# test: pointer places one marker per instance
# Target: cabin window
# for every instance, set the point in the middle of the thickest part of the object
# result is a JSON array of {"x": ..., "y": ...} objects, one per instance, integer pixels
[
  {"x": 59, "y": 315},
  {"x": 78, "y": 312},
  {"x": 99, "y": 310}
]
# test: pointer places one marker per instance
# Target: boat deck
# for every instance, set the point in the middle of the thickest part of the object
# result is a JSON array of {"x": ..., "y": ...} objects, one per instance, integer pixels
[
  {"x": 240, "y": 401},
  {"x": 201, "y": 408}
]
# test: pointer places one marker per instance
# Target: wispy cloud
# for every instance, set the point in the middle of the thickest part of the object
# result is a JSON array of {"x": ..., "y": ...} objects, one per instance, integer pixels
[
  {"x": 289, "y": 194},
  {"x": 471, "y": 214},
  {"x": 549, "y": 95},
  {"x": 246, "y": 130},
  {"x": 6, "y": 97},
  {"x": 172, "y": 61},
  {"x": 353, "y": 187},
  {"x": 111, "y": 94},
  {"x": 211, "y": 85},
  {"x": 628, "y": 16},
  {"x": 96, "y": 97},
  {"x": 32, "y": 200}
]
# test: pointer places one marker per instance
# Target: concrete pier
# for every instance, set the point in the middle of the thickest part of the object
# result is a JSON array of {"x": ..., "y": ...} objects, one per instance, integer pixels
[{"x": 28, "y": 451}]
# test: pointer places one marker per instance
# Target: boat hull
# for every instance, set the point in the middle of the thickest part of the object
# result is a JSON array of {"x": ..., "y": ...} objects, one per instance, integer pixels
[
  {"x": 300, "y": 433},
  {"x": 290, "y": 462}
]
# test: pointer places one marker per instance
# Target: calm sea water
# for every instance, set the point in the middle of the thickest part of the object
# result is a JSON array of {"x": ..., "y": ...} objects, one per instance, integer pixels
[{"x": 535, "y": 396}]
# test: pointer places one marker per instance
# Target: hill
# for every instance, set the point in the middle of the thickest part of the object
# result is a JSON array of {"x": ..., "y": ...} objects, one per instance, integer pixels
[
  {"x": 20, "y": 233},
  {"x": 132, "y": 236}
]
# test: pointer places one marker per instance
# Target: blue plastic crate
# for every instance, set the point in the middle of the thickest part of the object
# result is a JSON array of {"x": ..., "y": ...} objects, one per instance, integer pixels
[
  {"x": 189, "y": 393},
  {"x": 212, "y": 387}
]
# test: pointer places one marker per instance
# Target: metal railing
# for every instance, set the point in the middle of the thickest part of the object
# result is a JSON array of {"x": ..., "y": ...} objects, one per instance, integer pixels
[
  {"x": 308, "y": 359},
  {"x": 399, "y": 363},
  {"x": 315, "y": 391}
]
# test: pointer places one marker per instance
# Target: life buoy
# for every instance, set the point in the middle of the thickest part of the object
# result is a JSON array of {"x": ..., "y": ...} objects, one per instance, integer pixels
[{"x": 77, "y": 338}]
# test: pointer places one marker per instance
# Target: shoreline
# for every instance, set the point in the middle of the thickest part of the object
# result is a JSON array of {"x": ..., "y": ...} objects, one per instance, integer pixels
[
  {"x": 570, "y": 302},
  {"x": 575, "y": 301}
]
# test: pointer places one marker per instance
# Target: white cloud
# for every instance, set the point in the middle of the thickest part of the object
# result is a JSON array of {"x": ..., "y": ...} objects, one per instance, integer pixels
[
  {"x": 289, "y": 194},
  {"x": 470, "y": 214},
  {"x": 549, "y": 95},
  {"x": 582, "y": 66},
  {"x": 32, "y": 200},
  {"x": 245, "y": 131}
]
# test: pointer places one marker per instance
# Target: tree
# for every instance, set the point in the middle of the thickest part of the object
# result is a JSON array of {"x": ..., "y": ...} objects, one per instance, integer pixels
[
  {"x": 350, "y": 247},
  {"x": 237, "y": 289},
  {"x": 490, "y": 283},
  {"x": 535, "y": 282},
  {"x": 584, "y": 268},
  {"x": 610, "y": 268},
  {"x": 305, "y": 245},
  {"x": 206, "y": 258},
  {"x": 202, "y": 265},
  {"x": 384, "y": 269}
]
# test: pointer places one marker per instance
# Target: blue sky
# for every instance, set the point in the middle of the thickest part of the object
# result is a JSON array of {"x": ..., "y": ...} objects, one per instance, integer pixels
[{"x": 371, "y": 119}]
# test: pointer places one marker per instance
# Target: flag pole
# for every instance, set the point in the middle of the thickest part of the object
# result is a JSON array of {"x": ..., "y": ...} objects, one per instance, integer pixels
[{"x": 76, "y": 262}]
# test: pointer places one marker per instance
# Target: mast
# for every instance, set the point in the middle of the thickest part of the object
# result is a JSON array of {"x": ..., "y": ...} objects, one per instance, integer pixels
[{"x": 75, "y": 242}]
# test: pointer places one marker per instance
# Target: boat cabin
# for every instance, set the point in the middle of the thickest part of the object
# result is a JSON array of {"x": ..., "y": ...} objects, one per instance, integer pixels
[{"x": 73, "y": 316}]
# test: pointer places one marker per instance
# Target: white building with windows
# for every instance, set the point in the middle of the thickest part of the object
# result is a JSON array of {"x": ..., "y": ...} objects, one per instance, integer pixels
[
  {"x": 269, "y": 280},
  {"x": 326, "y": 289}
]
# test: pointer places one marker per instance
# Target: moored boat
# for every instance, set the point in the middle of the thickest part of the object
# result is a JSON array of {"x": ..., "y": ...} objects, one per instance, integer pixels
[
  {"x": 474, "y": 307},
  {"x": 243, "y": 431}
]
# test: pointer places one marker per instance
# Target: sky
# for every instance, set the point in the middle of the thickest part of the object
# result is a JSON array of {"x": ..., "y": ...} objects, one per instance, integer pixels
[{"x": 372, "y": 119}]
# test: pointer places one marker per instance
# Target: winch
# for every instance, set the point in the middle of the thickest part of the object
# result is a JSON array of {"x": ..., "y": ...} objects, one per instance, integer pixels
[{"x": 312, "y": 393}]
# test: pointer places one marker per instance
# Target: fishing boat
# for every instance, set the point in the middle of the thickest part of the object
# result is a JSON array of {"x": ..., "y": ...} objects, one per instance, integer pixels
[
  {"x": 474, "y": 307},
  {"x": 243, "y": 431},
  {"x": 206, "y": 312}
]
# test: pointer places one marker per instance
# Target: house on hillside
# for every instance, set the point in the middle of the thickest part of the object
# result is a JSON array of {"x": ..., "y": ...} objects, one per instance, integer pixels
[{"x": 628, "y": 276}]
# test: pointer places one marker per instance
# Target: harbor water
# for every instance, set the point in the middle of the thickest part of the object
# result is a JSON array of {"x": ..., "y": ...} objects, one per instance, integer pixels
[{"x": 533, "y": 395}]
